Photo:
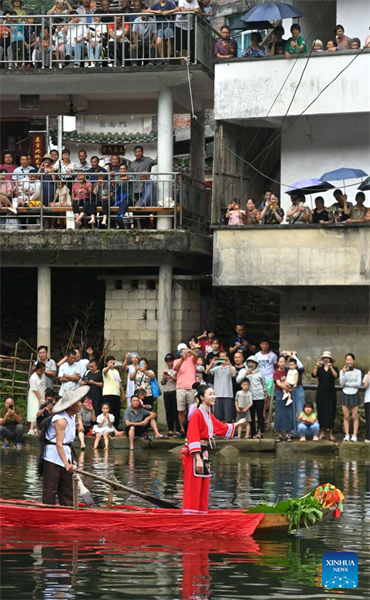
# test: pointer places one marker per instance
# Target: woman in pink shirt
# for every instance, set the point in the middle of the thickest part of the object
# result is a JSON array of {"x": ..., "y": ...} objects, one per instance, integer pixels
[{"x": 82, "y": 200}]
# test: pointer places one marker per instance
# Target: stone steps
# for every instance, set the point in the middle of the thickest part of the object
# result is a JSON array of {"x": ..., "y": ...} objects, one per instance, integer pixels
[{"x": 233, "y": 447}]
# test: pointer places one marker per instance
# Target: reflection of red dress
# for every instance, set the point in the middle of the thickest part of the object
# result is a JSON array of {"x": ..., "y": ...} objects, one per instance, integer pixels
[{"x": 202, "y": 426}]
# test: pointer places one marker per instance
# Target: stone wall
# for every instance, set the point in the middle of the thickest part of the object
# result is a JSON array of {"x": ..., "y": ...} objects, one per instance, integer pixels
[
  {"x": 316, "y": 319},
  {"x": 131, "y": 314}
]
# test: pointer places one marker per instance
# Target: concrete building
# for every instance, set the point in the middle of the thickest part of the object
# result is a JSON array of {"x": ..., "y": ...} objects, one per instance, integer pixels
[
  {"x": 279, "y": 121},
  {"x": 153, "y": 297},
  {"x": 157, "y": 282}
]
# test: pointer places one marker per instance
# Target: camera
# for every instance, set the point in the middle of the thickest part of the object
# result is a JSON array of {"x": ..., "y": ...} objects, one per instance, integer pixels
[
  {"x": 50, "y": 401},
  {"x": 11, "y": 406}
]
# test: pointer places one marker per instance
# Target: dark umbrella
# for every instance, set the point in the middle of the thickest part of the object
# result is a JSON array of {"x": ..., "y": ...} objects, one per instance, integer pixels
[
  {"x": 272, "y": 11},
  {"x": 251, "y": 25},
  {"x": 309, "y": 186},
  {"x": 365, "y": 185}
]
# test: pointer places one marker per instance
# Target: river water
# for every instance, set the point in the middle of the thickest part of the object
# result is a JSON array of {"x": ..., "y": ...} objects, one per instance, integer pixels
[{"x": 40, "y": 565}]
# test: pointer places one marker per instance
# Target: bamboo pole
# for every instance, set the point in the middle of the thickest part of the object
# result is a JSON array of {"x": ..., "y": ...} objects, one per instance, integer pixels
[
  {"x": 147, "y": 497},
  {"x": 75, "y": 491},
  {"x": 14, "y": 366},
  {"x": 111, "y": 492}
]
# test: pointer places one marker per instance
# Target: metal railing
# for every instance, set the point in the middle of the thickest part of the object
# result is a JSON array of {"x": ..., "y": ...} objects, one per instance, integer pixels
[
  {"x": 113, "y": 40},
  {"x": 100, "y": 200}
]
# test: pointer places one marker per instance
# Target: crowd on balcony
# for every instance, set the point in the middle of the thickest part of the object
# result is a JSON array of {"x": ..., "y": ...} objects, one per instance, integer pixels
[
  {"x": 269, "y": 212},
  {"x": 226, "y": 47},
  {"x": 245, "y": 375},
  {"x": 135, "y": 34},
  {"x": 84, "y": 187}
]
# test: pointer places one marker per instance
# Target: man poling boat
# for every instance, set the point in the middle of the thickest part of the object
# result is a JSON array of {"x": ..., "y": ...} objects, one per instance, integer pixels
[
  {"x": 55, "y": 456},
  {"x": 203, "y": 426}
]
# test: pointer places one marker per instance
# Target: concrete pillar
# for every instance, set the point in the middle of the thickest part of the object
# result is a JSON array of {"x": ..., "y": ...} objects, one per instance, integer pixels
[
  {"x": 197, "y": 149},
  {"x": 164, "y": 326},
  {"x": 44, "y": 306},
  {"x": 165, "y": 154}
]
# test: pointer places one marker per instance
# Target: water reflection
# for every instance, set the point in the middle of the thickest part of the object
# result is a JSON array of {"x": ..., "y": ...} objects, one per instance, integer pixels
[{"x": 45, "y": 566}]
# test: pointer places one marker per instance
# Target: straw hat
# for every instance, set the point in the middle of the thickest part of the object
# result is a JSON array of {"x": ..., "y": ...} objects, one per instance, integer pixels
[
  {"x": 69, "y": 398},
  {"x": 327, "y": 354},
  {"x": 47, "y": 156}
]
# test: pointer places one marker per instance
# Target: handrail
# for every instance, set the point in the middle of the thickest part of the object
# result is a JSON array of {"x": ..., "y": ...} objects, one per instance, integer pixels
[{"x": 108, "y": 42}]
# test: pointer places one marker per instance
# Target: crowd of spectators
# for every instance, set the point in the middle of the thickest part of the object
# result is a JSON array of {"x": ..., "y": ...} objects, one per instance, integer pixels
[
  {"x": 269, "y": 212},
  {"x": 123, "y": 394},
  {"x": 85, "y": 187},
  {"x": 226, "y": 47},
  {"x": 134, "y": 34}
]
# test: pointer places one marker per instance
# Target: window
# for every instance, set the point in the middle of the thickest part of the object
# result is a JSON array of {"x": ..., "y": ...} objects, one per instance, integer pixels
[{"x": 242, "y": 38}]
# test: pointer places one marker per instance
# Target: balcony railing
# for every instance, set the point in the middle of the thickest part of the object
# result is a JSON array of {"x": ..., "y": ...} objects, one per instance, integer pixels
[
  {"x": 127, "y": 40},
  {"x": 121, "y": 200}
]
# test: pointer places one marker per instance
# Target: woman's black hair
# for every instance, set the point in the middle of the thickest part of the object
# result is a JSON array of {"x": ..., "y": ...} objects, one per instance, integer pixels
[
  {"x": 339, "y": 26},
  {"x": 309, "y": 404},
  {"x": 40, "y": 365},
  {"x": 109, "y": 358},
  {"x": 279, "y": 28},
  {"x": 350, "y": 354},
  {"x": 146, "y": 360},
  {"x": 65, "y": 150},
  {"x": 201, "y": 389},
  {"x": 356, "y": 40},
  {"x": 336, "y": 45},
  {"x": 360, "y": 195}
]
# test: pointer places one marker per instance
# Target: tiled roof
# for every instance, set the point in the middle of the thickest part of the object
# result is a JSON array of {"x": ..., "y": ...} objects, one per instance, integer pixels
[{"x": 109, "y": 137}]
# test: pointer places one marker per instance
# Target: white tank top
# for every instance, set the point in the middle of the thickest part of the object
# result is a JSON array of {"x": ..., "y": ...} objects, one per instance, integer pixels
[{"x": 51, "y": 452}]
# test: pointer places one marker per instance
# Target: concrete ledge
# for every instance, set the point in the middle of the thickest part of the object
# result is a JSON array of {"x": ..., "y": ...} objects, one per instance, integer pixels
[
  {"x": 296, "y": 447},
  {"x": 354, "y": 450},
  {"x": 101, "y": 247},
  {"x": 342, "y": 252},
  {"x": 233, "y": 447}
]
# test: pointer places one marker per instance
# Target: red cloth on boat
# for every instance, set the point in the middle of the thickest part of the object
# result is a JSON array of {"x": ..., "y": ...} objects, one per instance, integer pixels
[
  {"x": 202, "y": 426},
  {"x": 130, "y": 518}
]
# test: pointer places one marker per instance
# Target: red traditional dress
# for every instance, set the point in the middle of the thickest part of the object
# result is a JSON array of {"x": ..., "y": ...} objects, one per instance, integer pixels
[{"x": 203, "y": 426}]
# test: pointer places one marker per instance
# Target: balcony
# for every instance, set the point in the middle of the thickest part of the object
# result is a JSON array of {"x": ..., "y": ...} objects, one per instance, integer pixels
[
  {"x": 121, "y": 73},
  {"x": 281, "y": 256},
  {"x": 171, "y": 214},
  {"x": 248, "y": 89}
]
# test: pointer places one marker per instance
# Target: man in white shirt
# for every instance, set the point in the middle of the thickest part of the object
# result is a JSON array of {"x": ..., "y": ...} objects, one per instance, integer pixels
[
  {"x": 80, "y": 363},
  {"x": 21, "y": 179},
  {"x": 50, "y": 366},
  {"x": 68, "y": 374},
  {"x": 75, "y": 39},
  {"x": 184, "y": 27},
  {"x": 267, "y": 361}
]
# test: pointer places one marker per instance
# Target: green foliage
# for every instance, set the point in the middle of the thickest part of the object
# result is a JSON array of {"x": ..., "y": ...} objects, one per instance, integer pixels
[
  {"x": 306, "y": 510},
  {"x": 6, "y": 389}
]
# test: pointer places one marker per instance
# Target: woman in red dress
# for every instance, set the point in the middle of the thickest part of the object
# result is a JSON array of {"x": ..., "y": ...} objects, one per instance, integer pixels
[{"x": 203, "y": 426}]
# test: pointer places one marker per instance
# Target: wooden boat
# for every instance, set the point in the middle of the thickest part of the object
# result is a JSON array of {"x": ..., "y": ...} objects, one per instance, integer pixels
[{"x": 124, "y": 518}]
